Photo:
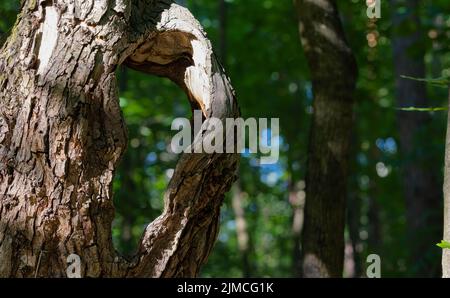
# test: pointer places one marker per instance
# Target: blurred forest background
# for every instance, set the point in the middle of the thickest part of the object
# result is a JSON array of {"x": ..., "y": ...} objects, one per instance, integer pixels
[{"x": 397, "y": 155}]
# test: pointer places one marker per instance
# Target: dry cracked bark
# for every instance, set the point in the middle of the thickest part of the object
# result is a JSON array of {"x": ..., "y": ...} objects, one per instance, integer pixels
[{"x": 62, "y": 135}]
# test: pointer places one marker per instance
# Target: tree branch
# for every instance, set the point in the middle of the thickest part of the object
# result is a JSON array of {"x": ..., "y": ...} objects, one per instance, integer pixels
[{"x": 178, "y": 242}]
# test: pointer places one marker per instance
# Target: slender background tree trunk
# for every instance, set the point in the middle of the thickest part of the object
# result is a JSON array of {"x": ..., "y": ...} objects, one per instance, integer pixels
[
  {"x": 421, "y": 183},
  {"x": 297, "y": 201},
  {"x": 446, "y": 252},
  {"x": 242, "y": 234}
]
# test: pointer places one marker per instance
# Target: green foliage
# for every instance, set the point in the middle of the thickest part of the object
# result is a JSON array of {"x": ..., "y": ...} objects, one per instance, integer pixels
[
  {"x": 443, "y": 82},
  {"x": 444, "y": 244},
  {"x": 414, "y": 109},
  {"x": 8, "y": 13}
]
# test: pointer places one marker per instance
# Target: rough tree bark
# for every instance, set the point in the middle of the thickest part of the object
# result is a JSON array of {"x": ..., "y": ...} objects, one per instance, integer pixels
[
  {"x": 62, "y": 135},
  {"x": 333, "y": 70},
  {"x": 421, "y": 184}
]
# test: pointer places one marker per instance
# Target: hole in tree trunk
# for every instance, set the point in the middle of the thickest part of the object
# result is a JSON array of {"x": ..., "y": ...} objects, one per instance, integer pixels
[{"x": 147, "y": 165}]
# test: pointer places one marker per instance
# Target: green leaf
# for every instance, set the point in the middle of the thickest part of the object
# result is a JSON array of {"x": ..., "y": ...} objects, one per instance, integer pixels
[
  {"x": 442, "y": 82},
  {"x": 414, "y": 109},
  {"x": 444, "y": 244}
]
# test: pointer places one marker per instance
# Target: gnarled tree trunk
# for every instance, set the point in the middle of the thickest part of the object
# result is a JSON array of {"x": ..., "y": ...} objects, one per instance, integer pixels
[
  {"x": 333, "y": 72},
  {"x": 62, "y": 135}
]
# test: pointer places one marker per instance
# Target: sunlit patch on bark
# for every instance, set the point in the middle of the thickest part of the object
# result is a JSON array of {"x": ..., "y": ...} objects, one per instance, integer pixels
[{"x": 49, "y": 37}]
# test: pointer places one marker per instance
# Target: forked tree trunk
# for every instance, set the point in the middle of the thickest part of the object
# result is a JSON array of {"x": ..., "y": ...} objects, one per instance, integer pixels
[
  {"x": 62, "y": 135},
  {"x": 333, "y": 71}
]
